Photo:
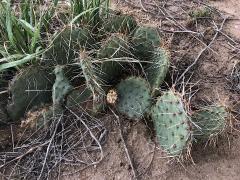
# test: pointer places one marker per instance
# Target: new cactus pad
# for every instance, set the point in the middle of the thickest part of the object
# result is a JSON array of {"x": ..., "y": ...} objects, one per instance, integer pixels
[{"x": 61, "y": 88}]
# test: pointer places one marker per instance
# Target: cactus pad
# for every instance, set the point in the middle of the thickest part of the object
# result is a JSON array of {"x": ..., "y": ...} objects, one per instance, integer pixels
[
  {"x": 157, "y": 70},
  {"x": 144, "y": 40},
  {"x": 30, "y": 88},
  {"x": 120, "y": 24},
  {"x": 134, "y": 99},
  {"x": 171, "y": 123},
  {"x": 115, "y": 47},
  {"x": 61, "y": 88},
  {"x": 210, "y": 121},
  {"x": 66, "y": 45}
]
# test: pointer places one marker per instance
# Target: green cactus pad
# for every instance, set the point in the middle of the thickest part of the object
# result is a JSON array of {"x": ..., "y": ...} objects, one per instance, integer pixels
[
  {"x": 210, "y": 121},
  {"x": 144, "y": 40},
  {"x": 171, "y": 123},
  {"x": 157, "y": 70},
  {"x": 120, "y": 24},
  {"x": 61, "y": 88},
  {"x": 66, "y": 46},
  {"x": 134, "y": 99},
  {"x": 115, "y": 47},
  {"x": 32, "y": 87}
]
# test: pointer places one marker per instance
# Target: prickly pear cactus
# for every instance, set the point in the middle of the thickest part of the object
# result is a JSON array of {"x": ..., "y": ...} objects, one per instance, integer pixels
[
  {"x": 171, "y": 123},
  {"x": 134, "y": 99},
  {"x": 210, "y": 122},
  {"x": 120, "y": 24},
  {"x": 31, "y": 87},
  {"x": 42, "y": 117},
  {"x": 65, "y": 47},
  {"x": 144, "y": 41},
  {"x": 3, "y": 101},
  {"x": 61, "y": 88},
  {"x": 157, "y": 70}
]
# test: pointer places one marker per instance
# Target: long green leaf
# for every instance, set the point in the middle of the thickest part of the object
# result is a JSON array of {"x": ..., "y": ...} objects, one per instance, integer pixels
[
  {"x": 28, "y": 27},
  {"x": 81, "y": 14},
  {"x": 35, "y": 37},
  {"x": 26, "y": 58},
  {"x": 11, "y": 57},
  {"x": 9, "y": 24}
]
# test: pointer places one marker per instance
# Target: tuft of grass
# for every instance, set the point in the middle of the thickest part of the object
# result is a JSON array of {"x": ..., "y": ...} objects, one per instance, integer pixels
[{"x": 22, "y": 28}]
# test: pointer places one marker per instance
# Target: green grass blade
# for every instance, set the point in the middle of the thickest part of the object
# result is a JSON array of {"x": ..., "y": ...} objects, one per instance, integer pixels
[
  {"x": 25, "y": 58},
  {"x": 81, "y": 14},
  {"x": 11, "y": 57},
  {"x": 28, "y": 27},
  {"x": 9, "y": 24},
  {"x": 35, "y": 37}
]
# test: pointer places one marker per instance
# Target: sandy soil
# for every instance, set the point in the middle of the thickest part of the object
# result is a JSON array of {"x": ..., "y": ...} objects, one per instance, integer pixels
[{"x": 231, "y": 7}]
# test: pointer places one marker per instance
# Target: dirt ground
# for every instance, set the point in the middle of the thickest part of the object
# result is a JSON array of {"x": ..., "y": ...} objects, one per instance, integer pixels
[{"x": 211, "y": 74}]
